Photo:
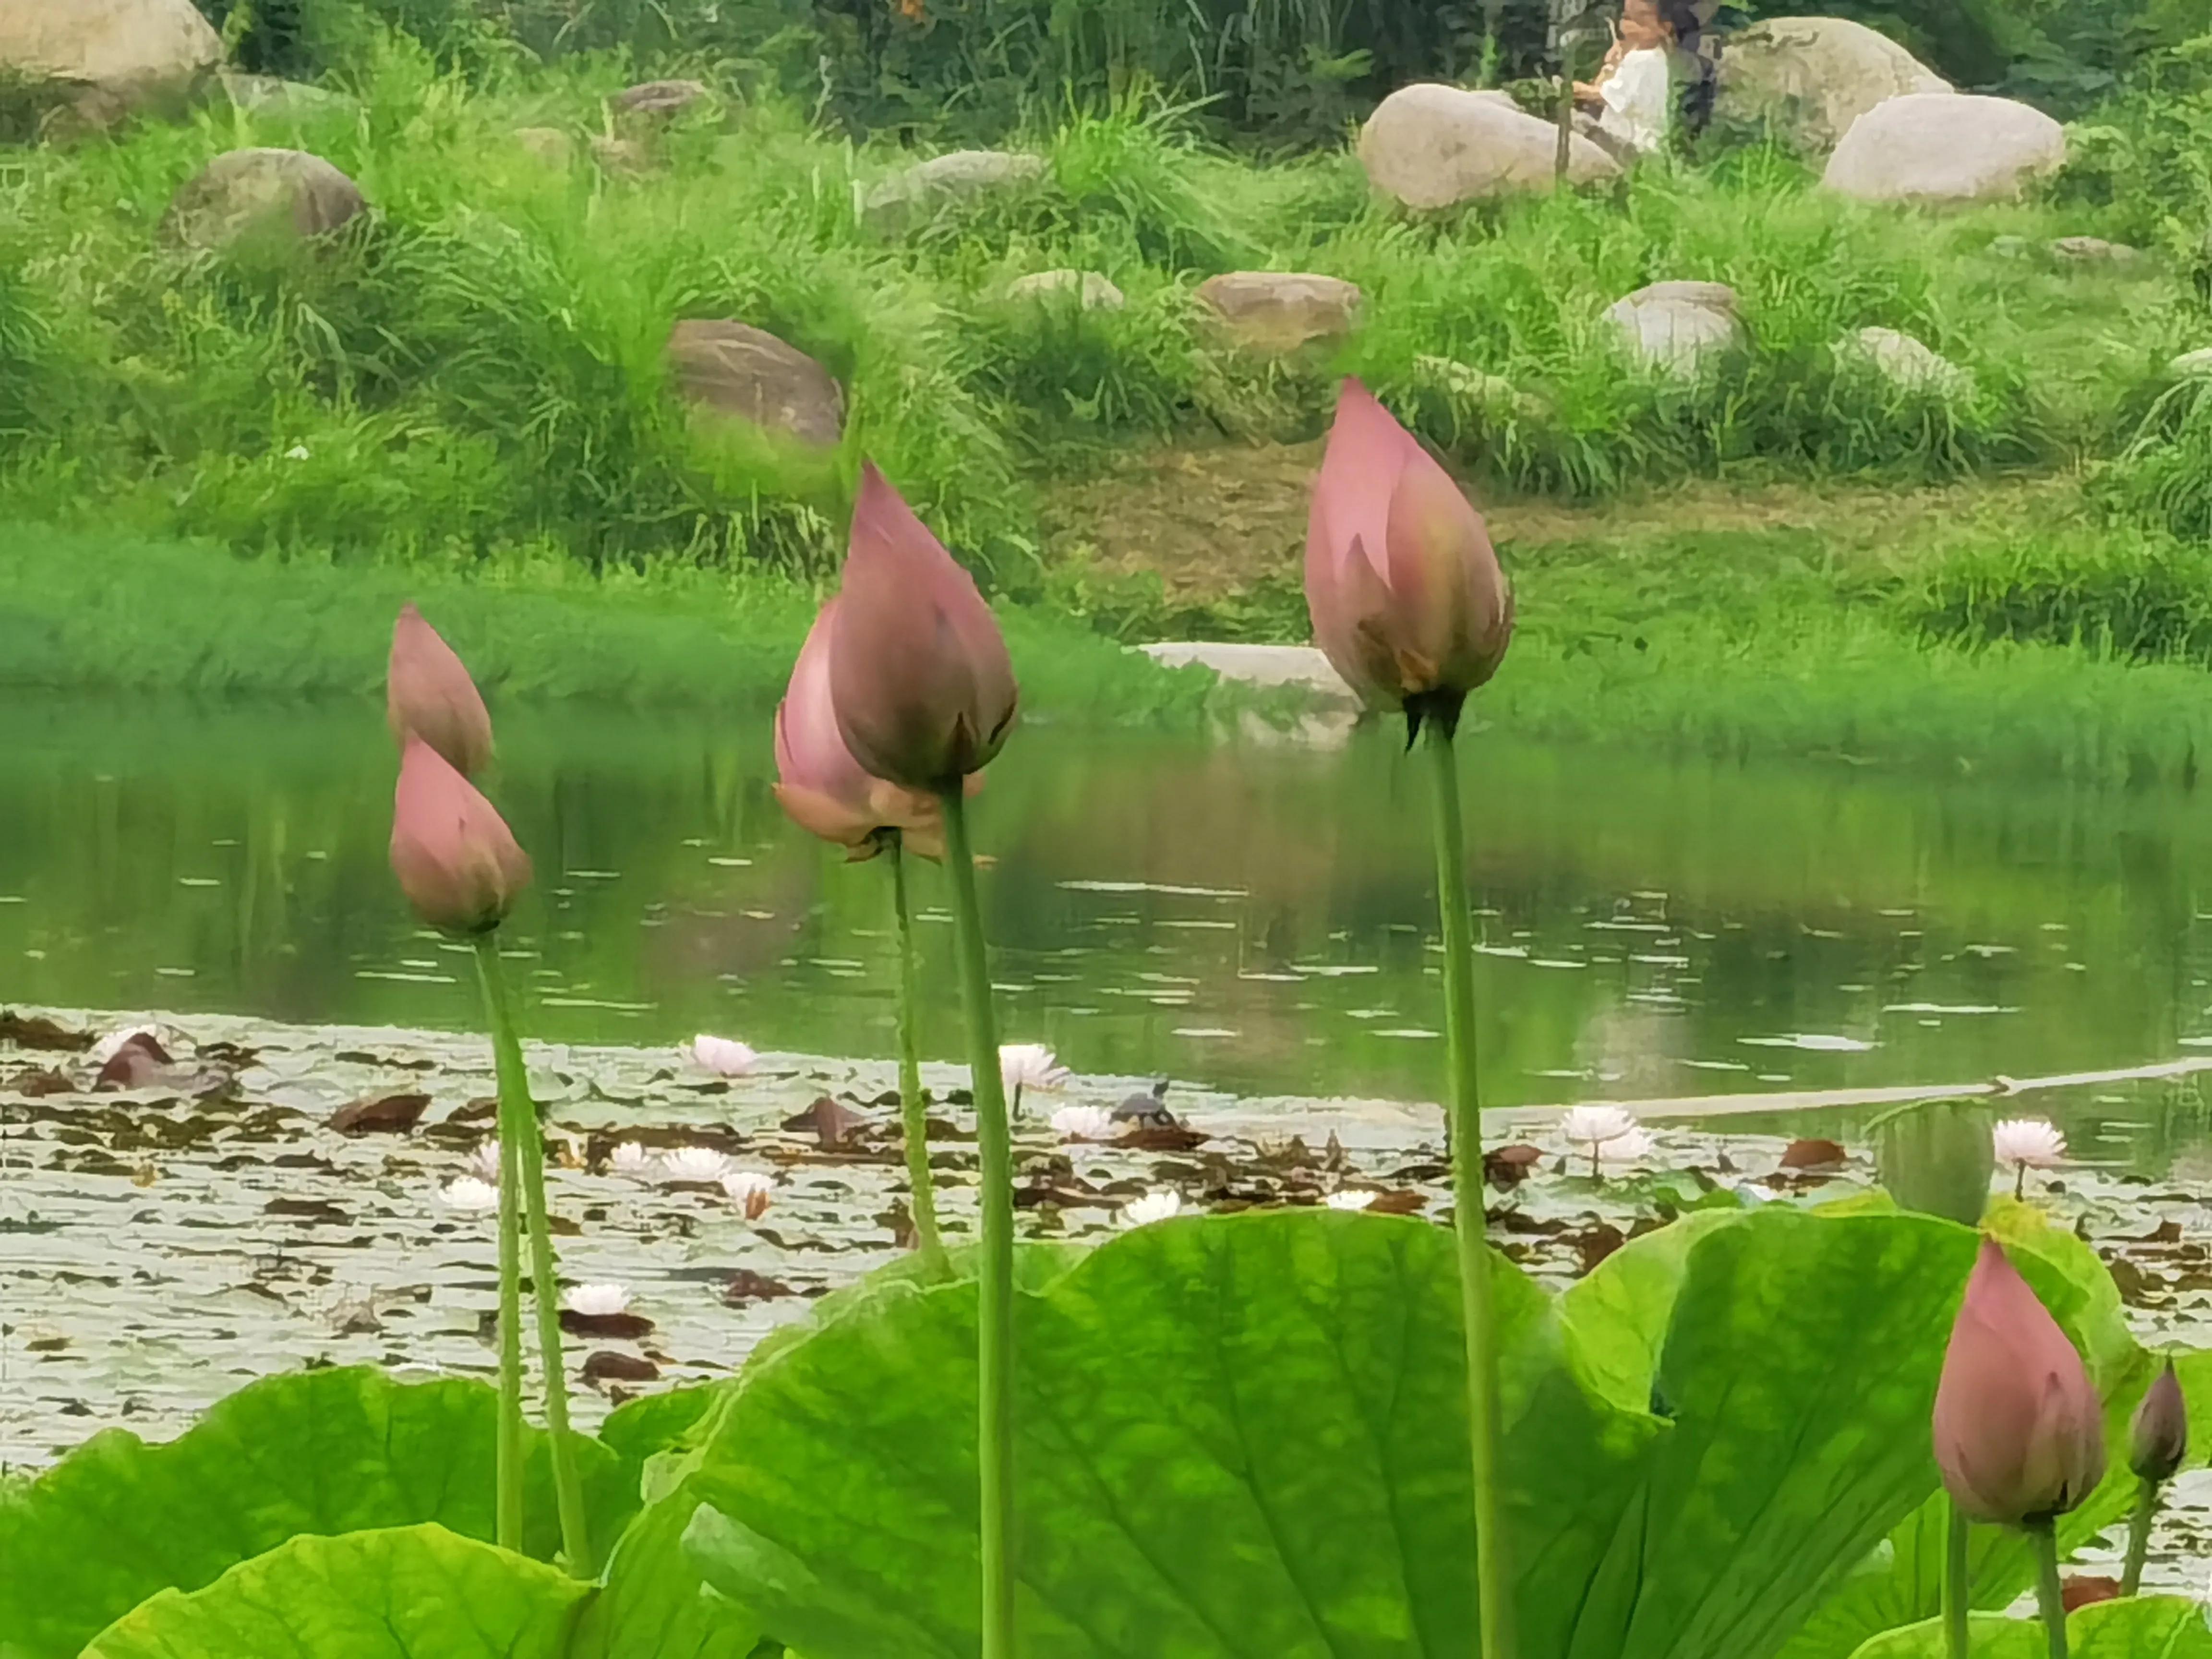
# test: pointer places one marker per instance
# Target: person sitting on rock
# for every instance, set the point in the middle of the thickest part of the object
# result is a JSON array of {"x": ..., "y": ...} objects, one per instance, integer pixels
[{"x": 1634, "y": 86}]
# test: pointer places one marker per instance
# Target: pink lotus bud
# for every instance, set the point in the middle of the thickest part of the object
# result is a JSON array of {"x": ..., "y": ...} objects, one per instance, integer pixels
[
  {"x": 826, "y": 792},
  {"x": 919, "y": 675},
  {"x": 2020, "y": 1433},
  {"x": 2159, "y": 1435},
  {"x": 428, "y": 694},
  {"x": 455, "y": 859},
  {"x": 1402, "y": 583}
]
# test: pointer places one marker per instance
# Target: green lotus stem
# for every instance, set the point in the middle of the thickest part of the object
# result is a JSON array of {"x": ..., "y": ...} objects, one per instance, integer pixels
[
  {"x": 2146, "y": 1511},
  {"x": 507, "y": 1512},
  {"x": 1493, "y": 1573},
  {"x": 2049, "y": 1591},
  {"x": 994, "y": 1291},
  {"x": 912, "y": 1109},
  {"x": 522, "y": 1162},
  {"x": 1958, "y": 1585}
]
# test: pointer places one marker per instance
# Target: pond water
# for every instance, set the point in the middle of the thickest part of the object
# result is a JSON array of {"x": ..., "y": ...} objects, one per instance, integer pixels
[{"x": 1251, "y": 917}]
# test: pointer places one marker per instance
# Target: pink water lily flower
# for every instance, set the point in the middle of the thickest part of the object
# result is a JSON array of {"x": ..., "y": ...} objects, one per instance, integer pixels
[
  {"x": 2019, "y": 1431},
  {"x": 455, "y": 857},
  {"x": 1403, "y": 585},
  {"x": 428, "y": 694},
  {"x": 919, "y": 675},
  {"x": 818, "y": 783}
]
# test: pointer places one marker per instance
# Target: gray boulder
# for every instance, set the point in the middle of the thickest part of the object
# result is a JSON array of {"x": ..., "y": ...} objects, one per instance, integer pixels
[
  {"x": 2192, "y": 365},
  {"x": 734, "y": 370},
  {"x": 1432, "y": 146},
  {"x": 1810, "y": 78},
  {"x": 1678, "y": 328},
  {"x": 267, "y": 95},
  {"x": 1088, "y": 290},
  {"x": 276, "y": 195},
  {"x": 2092, "y": 251},
  {"x": 1941, "y": 148},
  {"x": 97, "y": 61},
  {"x": 658, "y": 101},
  {"x": 1278, "y": 310},
  {"x": 952, "y": 181},
  {"x": 1904, "y": 362}
]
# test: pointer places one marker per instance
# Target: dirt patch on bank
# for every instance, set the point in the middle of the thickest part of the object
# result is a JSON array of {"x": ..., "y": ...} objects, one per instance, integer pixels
[{"x": 1220, "y": 519}]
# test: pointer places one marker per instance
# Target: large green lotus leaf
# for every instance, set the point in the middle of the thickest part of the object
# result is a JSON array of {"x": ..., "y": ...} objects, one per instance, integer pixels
[
  {"x": 1246, "y": 1436},
  {"x": 2151, "y": 1627},
  {"x": 407, "y": 1592},
  {"x": 325, "y": 1451},
  {"x": 652, "y": 1424},
  {"x": 1616, "y": 1317},
  {"x": 655, "y": 1606},
  {"x": 2071, "y": 1279}
]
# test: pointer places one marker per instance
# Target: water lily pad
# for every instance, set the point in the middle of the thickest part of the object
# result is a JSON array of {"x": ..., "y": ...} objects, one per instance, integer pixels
[{"x": 2152, "y": 1627}]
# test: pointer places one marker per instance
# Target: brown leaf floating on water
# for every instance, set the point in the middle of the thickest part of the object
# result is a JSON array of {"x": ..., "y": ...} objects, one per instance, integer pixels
[
  {"x": 1160, "y": 1138},
  {"x": 485, "y": 1110},
  {"x": 2082, "y": 1589},
  {"x": 140, "y": 1060},
  {"x": 1404, "y": 1201},
  {"x": 40, "y": 1082},
  {"x": 605, "y": 1365},
  {"x": 1596, "y": 1242},
  {"x": 309, "y": 1212},
  {"x": 745, "y": 1286},
  {"x": 1813, "y": 1153},
  {"x": 832, "y": 1124},
  {"x": 611, "y": 1326},
  {"x": 1509, "y": 1166},
  {"x": 380, "y": 1114},
  {"x": 36, "y": 1031}
]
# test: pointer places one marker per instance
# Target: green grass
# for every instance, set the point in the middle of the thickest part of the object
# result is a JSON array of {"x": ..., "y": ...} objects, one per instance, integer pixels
[{"x": 94, "y": 612}]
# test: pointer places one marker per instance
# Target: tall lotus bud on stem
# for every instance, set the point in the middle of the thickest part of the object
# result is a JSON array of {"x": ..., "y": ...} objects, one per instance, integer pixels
[
  {"x": 925, "y": 696},
  {"x": 919, "y": 675},
  {"x": 1409, "y": 605},
  {"x": 2020, "y": 1433},
  {"x": 1407, "y": 599},
  {"x": 2158, "y": 1442},
  {"x": 456, "y": 860},
  {"x": 428, "y": 694}
]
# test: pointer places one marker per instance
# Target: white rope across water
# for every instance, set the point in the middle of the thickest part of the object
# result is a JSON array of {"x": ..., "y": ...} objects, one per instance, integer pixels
[{"x": 1998, "y": 1087}]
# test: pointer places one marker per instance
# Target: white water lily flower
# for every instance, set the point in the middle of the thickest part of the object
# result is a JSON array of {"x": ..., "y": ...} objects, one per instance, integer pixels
[
  {"x": 2028, "y": 1143},
  {"x": 694, "y": 1163},
  {"x": 630, "y": 1159},
  {"x": 598, "y": 1301},
  {"x": 1030, "y": 1066},
  {"x": 750, "y": 1191},
  {"x": 467, "y": 1193},
  {"x": 722, "y": 1056},
  {"x": 1592, "y": 1126},
  {"x": 484, "y": 1163},
  {"x": 1349, "y": 1199},
  {"x": 1162, "y": 1205},
  {"x": 1085, "y": 1123}
]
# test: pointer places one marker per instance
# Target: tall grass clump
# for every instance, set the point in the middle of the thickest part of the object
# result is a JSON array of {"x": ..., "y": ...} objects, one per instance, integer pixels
[{"x": 2163, "y": 477}]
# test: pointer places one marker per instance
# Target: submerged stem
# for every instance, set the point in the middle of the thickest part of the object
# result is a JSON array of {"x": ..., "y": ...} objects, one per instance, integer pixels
[
  {"x": 507, "y": 1513},
  {"x": 912, "y": 1109},
  {"x": 1494, "y": 1577},
  {"x": 2050, "y": 1589},
  {"x": 994, "y": 1297},
  {"x": 2146, "y": 1511},
  {"x": 1958, "y": 1585},
  {"x": 522, "y": 1148}
]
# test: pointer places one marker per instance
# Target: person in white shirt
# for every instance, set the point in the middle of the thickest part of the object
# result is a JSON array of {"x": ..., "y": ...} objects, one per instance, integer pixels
[{"x": 1633, "y": 93}]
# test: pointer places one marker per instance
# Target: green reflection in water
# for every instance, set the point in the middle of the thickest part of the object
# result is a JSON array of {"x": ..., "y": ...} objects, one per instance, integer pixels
[{"x": 1252, "y": 917}]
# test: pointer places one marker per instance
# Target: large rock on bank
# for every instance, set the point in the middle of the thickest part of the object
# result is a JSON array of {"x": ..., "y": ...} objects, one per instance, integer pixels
[
  {"x": 1430, "y": 146},
  {"x": 280, "y": 195},
  {"x": 1810, "y": 78},
  {"x": 1949, "y": 147},
  {"x": 947, "y": 182},
  {"x": 1678, "y": 328},
  {"x": 101, "y": 60},
  {"x": 1280, "y": 311},
  {"x": 733, "y": 369}
]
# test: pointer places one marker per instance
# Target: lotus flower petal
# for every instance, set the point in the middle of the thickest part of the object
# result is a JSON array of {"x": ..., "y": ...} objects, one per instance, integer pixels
[
  {"x": 456, "y": 860},
  {"x": 428, "y": 694},
  {"x": 919, "y": 679},
  {"x": 823, "y": 789},
  {"x": 2019, "y": 1431}
]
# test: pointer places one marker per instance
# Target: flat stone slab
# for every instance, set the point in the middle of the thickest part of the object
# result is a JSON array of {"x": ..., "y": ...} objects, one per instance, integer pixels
[{"x": 1255, "y": 665}]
